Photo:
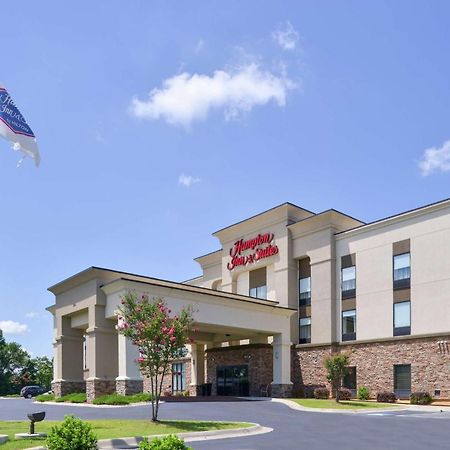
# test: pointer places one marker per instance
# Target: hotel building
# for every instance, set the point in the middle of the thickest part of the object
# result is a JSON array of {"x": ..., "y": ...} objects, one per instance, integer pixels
[{"x": 286, "y": 288}]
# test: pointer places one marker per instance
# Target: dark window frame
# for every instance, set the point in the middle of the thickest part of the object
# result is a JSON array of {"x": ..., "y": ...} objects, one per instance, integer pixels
[
  {"x": 347, "y": 336},
  {"x": 304, "y": 340},
  {"x": 348, "y": 293},
  {"x": 403, "y": 283},
  {"x": 178, "y": 377},
  {"x": 401, "y": 331},
  {"x": 306, "y": 299}
]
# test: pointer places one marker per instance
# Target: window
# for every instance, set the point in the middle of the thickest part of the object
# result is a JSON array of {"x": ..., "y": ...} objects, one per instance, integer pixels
[
  {"x": 305, "y": 330},
  {"x": 257, "y": 283},
  {"x": 259, "y": 292},
  {"x": 349, "y": 381},
  {"x": 402, "y": 318},
  {"x": 178, "y": 377},
  {"x": 348, "y": 282},
  {"x": 402, "y": 380},
  {"x": 349, "y": 325},
  {"x": 305, "y": 291},
  {"x": 402, "y": 271}
]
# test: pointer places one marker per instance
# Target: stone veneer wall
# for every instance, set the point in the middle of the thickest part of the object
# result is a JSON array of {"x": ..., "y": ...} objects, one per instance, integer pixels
[
  {"x": 260, "y": 365},
  {"x": 167, "y": 382},
  {"x": 61, "y": 388},
  {"x": 97, "y": 387},
  {"x": 374, "y": 361}
]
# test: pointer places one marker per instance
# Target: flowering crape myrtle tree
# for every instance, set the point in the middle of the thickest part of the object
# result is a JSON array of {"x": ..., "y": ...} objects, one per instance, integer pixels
[{"x": 160, "y": 337}]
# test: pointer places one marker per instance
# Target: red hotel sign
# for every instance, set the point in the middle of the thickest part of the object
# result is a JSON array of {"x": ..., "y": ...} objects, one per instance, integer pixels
[{"x": 261, "y": 247}]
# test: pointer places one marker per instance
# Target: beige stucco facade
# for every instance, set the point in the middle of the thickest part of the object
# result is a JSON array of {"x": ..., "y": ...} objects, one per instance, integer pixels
[{"x": 260, "y": 257}]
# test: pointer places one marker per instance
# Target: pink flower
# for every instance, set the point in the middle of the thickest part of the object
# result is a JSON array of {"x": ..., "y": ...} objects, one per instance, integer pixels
[{"x": 172, "y": 338}]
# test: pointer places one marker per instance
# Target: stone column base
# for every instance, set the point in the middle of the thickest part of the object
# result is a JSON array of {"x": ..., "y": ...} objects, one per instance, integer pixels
[
  {"x": 194, "y": 390},
  {"x": 96, "y": 388},
  {"x": 63, "y": 387},
  {"x": 129, "y": 387},
  {"x": 281, "y": 390}
]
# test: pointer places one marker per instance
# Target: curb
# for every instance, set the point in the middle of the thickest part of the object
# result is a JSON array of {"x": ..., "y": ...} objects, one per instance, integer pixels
[
  {"x": 133, "y": 442},
  {"x": 90, "y": 405},
  {"x": 296, "y": 406},
  {"x": 3, "y": 438}
]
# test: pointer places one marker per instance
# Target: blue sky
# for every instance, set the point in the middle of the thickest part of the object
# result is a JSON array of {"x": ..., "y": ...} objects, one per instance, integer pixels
[{"x": 160, "y": 122}]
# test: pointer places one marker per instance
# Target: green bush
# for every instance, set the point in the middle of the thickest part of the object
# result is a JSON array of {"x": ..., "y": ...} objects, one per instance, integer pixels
[
  {"x": 170, "y": 442},
  {"x": 45, "y": 398},
  {"x": 420, "y": 398},
  {"x": 141, "y": 397},
  {"x": 112, "y": 399},
  {"x": 363, "y": 393},
  {"x": 77, "y": 397},
  {"x": 322, "y": 393},
  {"x": 386, "y": 397},
  {"x": 72, "y": 434}
]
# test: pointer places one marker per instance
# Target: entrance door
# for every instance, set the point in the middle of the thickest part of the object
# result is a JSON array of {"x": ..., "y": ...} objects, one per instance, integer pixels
[{"x": 233, "y": 380}]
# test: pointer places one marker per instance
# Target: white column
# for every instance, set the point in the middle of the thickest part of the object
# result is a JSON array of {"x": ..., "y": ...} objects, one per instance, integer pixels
[
  {"x": 281, "y": 359},
  {"x": 128, "y": 353},
  {"x": 197, "y": 364}
]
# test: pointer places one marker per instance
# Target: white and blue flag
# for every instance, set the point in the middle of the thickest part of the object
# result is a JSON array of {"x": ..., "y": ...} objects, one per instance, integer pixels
[{"x": 14, "y": 128}]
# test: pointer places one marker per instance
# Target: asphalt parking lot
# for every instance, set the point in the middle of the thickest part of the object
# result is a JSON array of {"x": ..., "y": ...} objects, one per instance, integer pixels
[{"x": 396, "y": 430}]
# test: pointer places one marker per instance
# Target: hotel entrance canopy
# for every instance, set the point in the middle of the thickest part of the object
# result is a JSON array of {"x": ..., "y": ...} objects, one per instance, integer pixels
[{"x": 85, "y": 311}]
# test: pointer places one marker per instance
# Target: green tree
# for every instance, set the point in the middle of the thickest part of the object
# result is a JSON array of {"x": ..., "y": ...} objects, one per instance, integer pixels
[
  {"x": 159, "y": 336},
  {"x": 18, "y": 369},
  {"x": 44, "y": 371},
  {"x": 337, "y": 368}
]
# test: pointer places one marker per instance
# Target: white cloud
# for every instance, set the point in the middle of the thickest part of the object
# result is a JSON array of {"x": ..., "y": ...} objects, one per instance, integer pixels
[
  {"x": 286, "y": 37},
  {"x": 188, "y": 180},
  {"x": 186, "y": 98},
  {"x": 435, "y": 159},
  {"x": 10, "y": 327},
  {"x": 32, "y": 315}
]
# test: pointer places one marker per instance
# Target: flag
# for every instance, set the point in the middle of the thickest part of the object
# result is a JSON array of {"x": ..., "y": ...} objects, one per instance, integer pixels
[{"x": 14, "y": 128}]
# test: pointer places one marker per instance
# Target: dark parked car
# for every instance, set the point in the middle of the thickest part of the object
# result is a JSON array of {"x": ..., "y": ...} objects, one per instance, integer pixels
[{"x": 31, "y": 391}]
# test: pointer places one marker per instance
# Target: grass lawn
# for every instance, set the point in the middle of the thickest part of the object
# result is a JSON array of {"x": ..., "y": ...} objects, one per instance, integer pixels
[
  {"x": 108, "y": 429},
  {"x": 332, "y": 404}
]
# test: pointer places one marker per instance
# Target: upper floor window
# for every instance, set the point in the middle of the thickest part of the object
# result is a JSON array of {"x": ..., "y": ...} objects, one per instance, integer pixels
[
  {"x": 258, "y": 283},
  {"x": 305, "y": 330},
  {"x": 402, "y": 271},
  {"x": 348, "y": 282},
  {"x": 402, "y": 318},
  {"x": 349, "y": 325},
  {"x": 305, "y": 291}
]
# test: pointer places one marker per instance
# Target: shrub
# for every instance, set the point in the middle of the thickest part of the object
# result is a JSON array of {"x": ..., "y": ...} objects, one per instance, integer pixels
[
  {"x": 72, "y": 434},
  {"x": 386, "y": 397},
  {"x": 112, "y": 399},
  {"x": 45, "y": 398},
  {"x": 420, "y": 398},
  {"x": 322, "y": 393},
  {"x": 344, "y": 394},
  {"x": 77, "y": 397},
  {"x": 141, "y": 397},
  {"x": 363, "y": 393},
  {"x": 170, "y": 442}
]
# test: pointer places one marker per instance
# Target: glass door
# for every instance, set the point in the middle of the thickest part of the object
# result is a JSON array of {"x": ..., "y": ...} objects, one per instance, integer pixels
[{"x": 233, "y": 380}]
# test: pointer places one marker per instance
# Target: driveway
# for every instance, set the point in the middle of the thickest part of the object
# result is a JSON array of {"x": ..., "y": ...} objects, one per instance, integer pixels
[{"x": 396, "y": 430}]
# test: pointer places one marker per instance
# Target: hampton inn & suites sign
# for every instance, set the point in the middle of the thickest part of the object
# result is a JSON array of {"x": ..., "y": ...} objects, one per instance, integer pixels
[{"x": 250, "y": 251}]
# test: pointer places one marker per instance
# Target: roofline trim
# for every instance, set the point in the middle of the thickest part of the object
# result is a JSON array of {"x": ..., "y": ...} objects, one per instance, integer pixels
[
  {"x": 388, "y": 219},
  {"x": 259, "y": 214},
  {"x": 205, "y": 291}
]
